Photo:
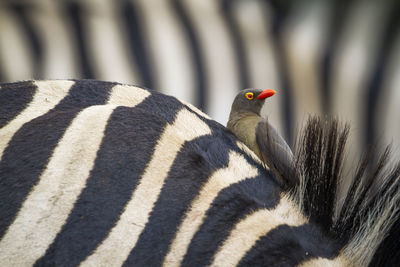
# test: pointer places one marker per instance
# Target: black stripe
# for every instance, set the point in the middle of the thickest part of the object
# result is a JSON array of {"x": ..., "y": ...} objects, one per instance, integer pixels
[
  {"x": 14, "y": 97},
  {"x": 192, "y": 167},
  {"x": 338, "y": 16},
  {"x": 75, "y": 13},
  {"x": 237, "y": 42},
  {"x": 280, "y": 13},
  {"x": 375, "y": 87},
  {"x": 126, "y": 149},
  {"x": 29, "y": 151},
  {"x": 130, "y": 14},
  {"x": 286, "y": 89},
  {"x": 231, "y": 205},
  {"x": 33, "y": 39},
  {"x": 290, "y": 246},
  {"x": 164, "y": 106},
  {"x": 196, "y": 53}
]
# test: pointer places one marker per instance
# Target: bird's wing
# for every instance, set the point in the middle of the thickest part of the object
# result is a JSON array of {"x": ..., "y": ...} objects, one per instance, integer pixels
[{"x": 276, "y": 153}]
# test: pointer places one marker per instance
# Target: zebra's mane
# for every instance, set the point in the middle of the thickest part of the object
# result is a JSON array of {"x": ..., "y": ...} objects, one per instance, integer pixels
[{"x": 367, "y": 224}]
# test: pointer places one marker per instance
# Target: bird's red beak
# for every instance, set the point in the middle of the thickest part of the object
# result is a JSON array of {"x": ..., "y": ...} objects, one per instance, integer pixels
[{"x": 266, "y": 93}]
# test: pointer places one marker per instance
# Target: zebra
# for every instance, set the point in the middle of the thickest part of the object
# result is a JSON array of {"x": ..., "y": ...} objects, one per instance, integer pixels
[{"x": 96, "y": 173}]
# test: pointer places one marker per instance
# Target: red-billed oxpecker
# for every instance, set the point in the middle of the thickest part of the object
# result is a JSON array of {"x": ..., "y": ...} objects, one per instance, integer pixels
[{"x": 257, "y": 133}]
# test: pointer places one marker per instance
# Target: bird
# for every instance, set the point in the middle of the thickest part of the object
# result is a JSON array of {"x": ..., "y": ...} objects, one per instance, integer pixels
[
  {"x": 245, "y": 115},
  {"x": 247, "y": 124}
]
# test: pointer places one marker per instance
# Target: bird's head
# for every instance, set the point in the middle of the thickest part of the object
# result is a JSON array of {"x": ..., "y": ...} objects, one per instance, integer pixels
[{"x": 251, "y": 100}]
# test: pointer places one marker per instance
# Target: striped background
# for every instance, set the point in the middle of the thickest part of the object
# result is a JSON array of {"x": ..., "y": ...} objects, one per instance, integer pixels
[{"x": 323, "y": 57}]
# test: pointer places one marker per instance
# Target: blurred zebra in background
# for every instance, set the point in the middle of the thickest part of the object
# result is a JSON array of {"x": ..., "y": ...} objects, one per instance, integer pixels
[
  {"x": 104, "y": 174},
  {"x": 323, "y": 57}
]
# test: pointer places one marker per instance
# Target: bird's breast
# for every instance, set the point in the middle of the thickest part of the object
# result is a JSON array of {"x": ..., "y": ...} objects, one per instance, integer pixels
[{"x": 245, "y": 130}]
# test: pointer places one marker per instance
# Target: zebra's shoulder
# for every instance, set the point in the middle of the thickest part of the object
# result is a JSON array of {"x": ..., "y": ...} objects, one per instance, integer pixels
[
  {"x": 30, "y": 99},
  {"x": 45, "y": 100}
]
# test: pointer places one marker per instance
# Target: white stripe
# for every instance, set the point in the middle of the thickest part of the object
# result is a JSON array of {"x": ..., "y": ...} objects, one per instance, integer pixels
[
  {"x": 250, "y": 229},
  {"x": 169, "y": 45},
  {"x": 59, "y": 53},
  {"x": 114, "y": 250},
  {"x": 16, "y": 59},
  {"x": 126, "y": 95},
  {"x": 339, "y": 261},
  {"x": 237, "y": 170},
  {"x": 108, "y": 44},
  {"x": 219, "y": 56},
  {"x": 49, "y": 203},
  {"x": 48, "y": 95},
  {"x": 356, "y": 54},
  {"x": 304, "y": 41}
]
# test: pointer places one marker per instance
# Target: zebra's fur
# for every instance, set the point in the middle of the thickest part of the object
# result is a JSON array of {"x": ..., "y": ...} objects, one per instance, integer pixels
[{"x": 99, "y": 173}]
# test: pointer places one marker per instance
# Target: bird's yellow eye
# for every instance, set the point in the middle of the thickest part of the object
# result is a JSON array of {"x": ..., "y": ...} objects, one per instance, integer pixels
[{"x": 249, "y": 96}]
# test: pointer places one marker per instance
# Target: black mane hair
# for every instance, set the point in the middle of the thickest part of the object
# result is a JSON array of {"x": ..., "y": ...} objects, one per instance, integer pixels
[{"x": 367, "y": 224}]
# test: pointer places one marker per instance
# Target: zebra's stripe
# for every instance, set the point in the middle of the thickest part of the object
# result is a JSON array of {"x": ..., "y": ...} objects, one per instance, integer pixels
[
  {"x": 385, "y": 51},
  {"x": 14, "y": 47},
  {"x": 236, "y": 37},
  {"x": 135, "y": 216},
  {"x": 336, "y": 17},
  {"x": 47, "y": 96},
  {"x": 251, "y": 228},
  {"x": 218, "y": 57},
  {"x": 56, "y": 39},
  {"x": 33, "y": 37},
  {"x": 337, "y": 262},
  {"x": 305, "y": 34},
  {"x": 9, "y": 108},
  {"x": 353, "y": 65},
  {"x": 49, "y": 203},
  {"x": 75, "y": 17},
  {"x": 134, "y": 28},
  {"x": 107, "y": 44},
  {"x": 237, "y": 170},
  {"x": 128, "y": 96},
  {"x": 200, "y": 78},
  {"x": 172, "y": 64}
]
